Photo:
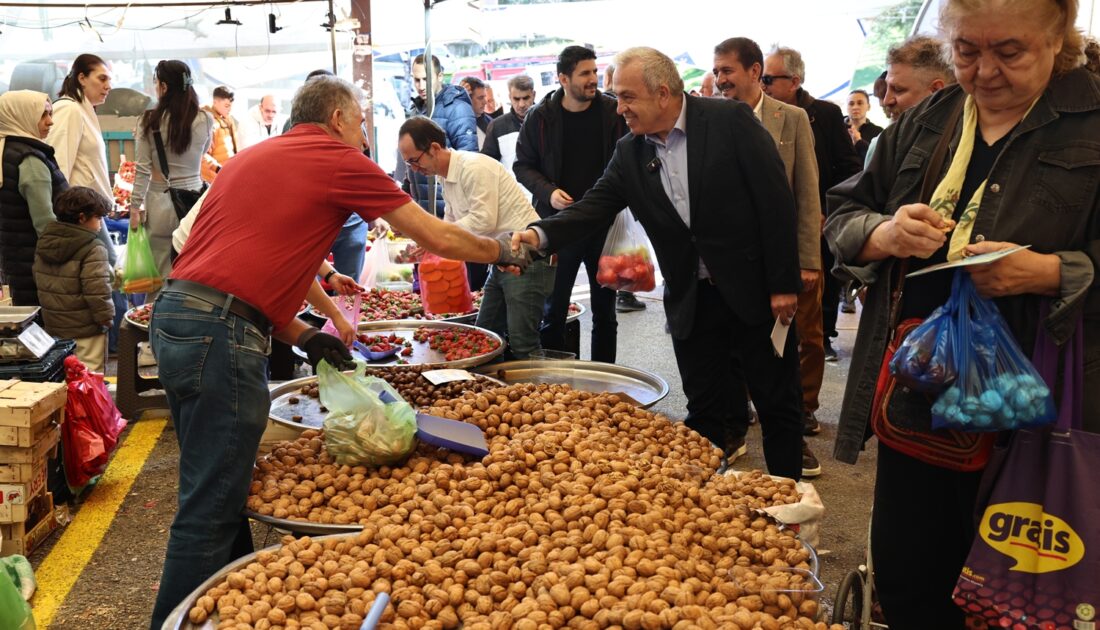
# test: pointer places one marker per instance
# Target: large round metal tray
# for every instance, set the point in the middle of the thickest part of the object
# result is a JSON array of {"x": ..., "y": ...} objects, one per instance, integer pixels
[
  {"x": 177, "y": 619},
  {"x": 283, "y": 411},
  {"x": 644, "y": 388},
  {"x": 305, "y": 528},
  {"x": 422, "y": 354},
  {"x": 576, "y": 310}
]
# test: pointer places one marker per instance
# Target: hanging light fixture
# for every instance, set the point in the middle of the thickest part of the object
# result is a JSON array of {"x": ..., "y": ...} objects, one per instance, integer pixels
[{"x": 229, "y": 18}]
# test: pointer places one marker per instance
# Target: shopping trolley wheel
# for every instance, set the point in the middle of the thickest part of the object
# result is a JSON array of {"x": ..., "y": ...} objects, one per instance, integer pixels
[{"x": 848, "y": 606}]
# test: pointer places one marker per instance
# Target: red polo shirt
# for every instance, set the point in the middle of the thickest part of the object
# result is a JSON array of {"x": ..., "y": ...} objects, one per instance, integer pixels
[{"x": 273, "y": 213}]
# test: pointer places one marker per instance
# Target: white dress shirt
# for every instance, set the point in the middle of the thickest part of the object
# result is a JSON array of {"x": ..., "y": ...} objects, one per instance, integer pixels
[{"x": 483, "y": 197}]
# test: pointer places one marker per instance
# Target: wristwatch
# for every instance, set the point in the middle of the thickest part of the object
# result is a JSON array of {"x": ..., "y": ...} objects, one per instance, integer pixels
[{"x": 329, "y": 275}]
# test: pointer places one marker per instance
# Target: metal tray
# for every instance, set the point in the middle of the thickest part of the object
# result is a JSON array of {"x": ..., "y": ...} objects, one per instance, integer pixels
[
  {"x": 422, "y": 354},
  {"x": 135, "y": 323},
  {"x": 470, "y": 318},
  {"x": 282, "y": 410},
  {"x": 13, "y": 319},
  {"x": 643, "y": 388},
  {"x": 177, "y": 619},
  {"x": 307, "y": 528}
]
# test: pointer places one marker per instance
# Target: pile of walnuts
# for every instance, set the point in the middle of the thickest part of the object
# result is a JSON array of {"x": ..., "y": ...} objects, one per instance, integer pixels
[{"x": 587, "y": 513}]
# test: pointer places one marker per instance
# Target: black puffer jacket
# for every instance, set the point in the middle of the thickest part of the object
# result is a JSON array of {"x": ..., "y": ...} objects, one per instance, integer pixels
[
  {"x": 74, "y": 281},
  {"x": 17, "y": 235}
]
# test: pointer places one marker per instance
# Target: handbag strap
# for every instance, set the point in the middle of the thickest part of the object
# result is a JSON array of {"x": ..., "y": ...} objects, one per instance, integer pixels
[
  {"x": 1048, "y": 355},
  {"x": 161, "y": 157},
  {"x": 928, "y": 187}
]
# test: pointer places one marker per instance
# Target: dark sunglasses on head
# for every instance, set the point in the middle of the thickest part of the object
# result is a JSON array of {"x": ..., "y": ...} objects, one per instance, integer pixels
[{"x": 768, "y": 79}]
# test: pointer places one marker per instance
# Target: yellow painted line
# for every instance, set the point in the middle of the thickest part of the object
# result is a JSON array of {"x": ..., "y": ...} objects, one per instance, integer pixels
[{"x": 59, "y": 571}]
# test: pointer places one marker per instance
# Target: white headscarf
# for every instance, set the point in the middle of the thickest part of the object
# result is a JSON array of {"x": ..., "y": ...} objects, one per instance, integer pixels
[{"x": 20, "y": 111}]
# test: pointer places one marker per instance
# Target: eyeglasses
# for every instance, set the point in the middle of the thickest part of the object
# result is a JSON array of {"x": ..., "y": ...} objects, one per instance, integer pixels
[
  {"x": 416, "y": 160},
  {"x": 768, "y": 79}
]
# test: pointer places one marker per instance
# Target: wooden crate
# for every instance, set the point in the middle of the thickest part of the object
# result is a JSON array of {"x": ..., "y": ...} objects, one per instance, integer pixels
[
  {"x": 24, "y": 404},
  {"x": 26, "y": 437},
  {"x": 41, "y": 449},
  {"x": 23, "y": 538},
  {"x": 16, "y": 498}
]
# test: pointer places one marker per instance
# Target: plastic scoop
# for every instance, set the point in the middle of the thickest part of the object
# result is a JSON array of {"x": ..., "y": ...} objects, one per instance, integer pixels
[
  {"x": 375, "y": 614},
  {"x": 455, "y": 435},
  {"x": 370, "y": 355}
]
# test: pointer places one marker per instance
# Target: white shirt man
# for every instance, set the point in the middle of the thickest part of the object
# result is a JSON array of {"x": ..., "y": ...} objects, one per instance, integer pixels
[
  {"x": 263, "y": 122},
  {"x": 483, "y": 197}
]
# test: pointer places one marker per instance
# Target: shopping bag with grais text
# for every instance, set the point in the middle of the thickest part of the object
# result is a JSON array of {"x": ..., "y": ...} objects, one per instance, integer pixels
[{"x": 1036, "y": 560}]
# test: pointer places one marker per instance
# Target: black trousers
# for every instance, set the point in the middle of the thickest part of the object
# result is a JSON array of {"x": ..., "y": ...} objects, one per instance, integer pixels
[
  {"x": 710, "y": 362},
  {"x": 830, "y": 298},
  {"x": 922, "y": 528},
  {"x": 604, "y": 324},
  {"x": 477, "y": 274}
]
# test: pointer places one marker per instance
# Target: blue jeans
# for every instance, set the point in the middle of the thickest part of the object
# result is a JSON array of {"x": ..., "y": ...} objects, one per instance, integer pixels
[
  {"x": 512, "y": 305},
  {"x": 349, "y": 250},
  {"x": 213, "y": 365}
]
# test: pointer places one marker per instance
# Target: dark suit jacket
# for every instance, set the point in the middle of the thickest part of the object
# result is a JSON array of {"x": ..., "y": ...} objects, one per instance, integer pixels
[{"x": 743, "y": 223}]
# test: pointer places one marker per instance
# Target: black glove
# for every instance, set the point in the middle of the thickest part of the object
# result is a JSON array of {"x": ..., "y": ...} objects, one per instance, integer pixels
[
  {"x": 509, "y": 259},
  {"x": 319, "y": 345}
]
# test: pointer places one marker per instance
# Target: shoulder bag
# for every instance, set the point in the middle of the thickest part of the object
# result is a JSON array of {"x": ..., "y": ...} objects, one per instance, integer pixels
[
  {"x": 182, "y": 199},
  {"x": 901, "y": 418}
]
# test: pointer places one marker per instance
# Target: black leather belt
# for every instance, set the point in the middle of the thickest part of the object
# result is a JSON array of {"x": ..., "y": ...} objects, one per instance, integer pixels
[{"x": 237, "y": 306}]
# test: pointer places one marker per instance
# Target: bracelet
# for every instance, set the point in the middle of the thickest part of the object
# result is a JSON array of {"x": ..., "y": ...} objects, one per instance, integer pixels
[{"x": 330, "y": 275}]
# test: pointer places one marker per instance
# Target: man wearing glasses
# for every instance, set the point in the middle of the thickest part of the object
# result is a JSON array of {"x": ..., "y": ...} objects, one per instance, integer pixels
[
  {"x": 784, "y": 72},
  {"x": 481, "y": 196}
]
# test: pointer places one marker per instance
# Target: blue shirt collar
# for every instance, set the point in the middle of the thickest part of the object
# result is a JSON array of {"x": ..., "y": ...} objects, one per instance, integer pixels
[{"x": 681, "y": 124}]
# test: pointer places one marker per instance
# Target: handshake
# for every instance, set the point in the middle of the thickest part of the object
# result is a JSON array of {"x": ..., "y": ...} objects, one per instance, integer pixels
[{"x": 518, "y": 258}]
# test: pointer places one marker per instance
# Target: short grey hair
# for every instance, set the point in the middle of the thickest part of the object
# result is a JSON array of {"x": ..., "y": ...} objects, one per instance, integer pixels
[
  {"x": 657, "y": 68},
  {"x": 318, "y": 98},
  {"x": 521, "y": 82},
  {"x": 928, "y": 56},
  {"x": 792, "y": 61}
]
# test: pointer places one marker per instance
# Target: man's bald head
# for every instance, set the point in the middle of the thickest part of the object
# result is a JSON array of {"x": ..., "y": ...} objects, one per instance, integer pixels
[{"x": 268, "y": 108}]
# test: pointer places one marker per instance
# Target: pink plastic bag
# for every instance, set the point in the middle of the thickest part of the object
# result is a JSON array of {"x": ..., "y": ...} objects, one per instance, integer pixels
[{"x": 349, "y": 308}]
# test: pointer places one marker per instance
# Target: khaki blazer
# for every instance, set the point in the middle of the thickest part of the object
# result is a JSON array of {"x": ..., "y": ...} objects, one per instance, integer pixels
[{"x": 789, "y": 126}]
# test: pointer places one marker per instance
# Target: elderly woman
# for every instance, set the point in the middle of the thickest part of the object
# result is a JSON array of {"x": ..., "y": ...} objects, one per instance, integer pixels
[
  {"x": 29, "y": 181},
  {"x": 1025, "y": 165}
]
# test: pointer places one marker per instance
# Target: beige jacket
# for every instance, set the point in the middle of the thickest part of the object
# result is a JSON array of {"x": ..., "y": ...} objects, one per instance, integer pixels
[{"x": 789, "y": 126}]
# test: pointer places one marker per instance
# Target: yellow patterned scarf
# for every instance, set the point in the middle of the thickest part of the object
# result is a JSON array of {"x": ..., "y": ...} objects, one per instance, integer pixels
[{"x": 946, "y": 195}]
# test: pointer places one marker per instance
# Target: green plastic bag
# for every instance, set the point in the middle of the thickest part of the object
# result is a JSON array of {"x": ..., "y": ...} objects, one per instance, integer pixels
[
  {"x": 140, "y": 275},
  {"x": 15, "y": 612},
  {"x": 361, "y": 430},
  {"x": 21, "y": 573}
]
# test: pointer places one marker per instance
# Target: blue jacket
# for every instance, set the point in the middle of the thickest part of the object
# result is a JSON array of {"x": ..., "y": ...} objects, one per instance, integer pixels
[{"x": 455, "y": 113}]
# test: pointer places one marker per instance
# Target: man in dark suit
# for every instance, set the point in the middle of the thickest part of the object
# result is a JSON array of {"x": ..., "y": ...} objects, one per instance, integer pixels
[{"x": 706, "y": 182}]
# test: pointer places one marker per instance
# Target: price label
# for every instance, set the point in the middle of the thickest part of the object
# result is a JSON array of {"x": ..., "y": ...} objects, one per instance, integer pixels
[
  {"x": 438, "y": 377},
  {"x": 36, "y": 340}
]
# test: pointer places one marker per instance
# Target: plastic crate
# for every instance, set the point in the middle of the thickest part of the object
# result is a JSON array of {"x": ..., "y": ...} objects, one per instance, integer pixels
[{"x": 50, "y": 368}]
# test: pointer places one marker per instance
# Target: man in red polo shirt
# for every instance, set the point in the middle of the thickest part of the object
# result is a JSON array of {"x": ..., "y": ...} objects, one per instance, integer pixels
[{"x": 241, "y": 277}]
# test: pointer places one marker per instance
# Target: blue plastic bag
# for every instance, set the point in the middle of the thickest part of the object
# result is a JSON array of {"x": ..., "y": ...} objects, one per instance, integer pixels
[
  {"x": 925, "y": 360},
  {"x": 996, "y": 388}
]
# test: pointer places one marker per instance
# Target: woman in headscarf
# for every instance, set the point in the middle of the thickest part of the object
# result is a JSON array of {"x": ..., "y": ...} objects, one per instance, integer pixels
[
  {"x": 185, "y": 132},
  {"x": 29, "y": 181},
  {"x": 76, "y": 137}
]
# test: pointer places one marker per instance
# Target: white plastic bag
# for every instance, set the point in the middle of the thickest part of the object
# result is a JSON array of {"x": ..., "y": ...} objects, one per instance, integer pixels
[{"x": 626, "y": 263}]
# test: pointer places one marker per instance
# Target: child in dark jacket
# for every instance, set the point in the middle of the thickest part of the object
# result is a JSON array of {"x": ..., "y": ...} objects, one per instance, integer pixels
[{"x": 73, "y": 276}]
